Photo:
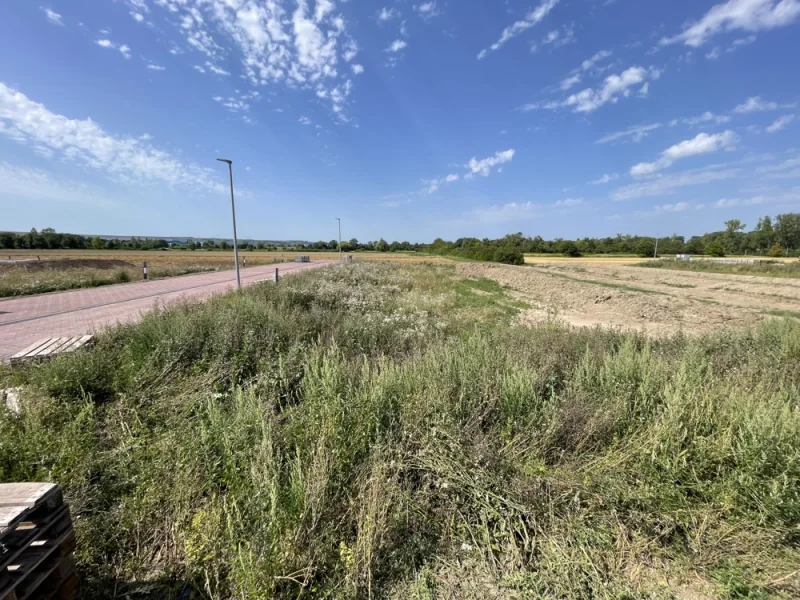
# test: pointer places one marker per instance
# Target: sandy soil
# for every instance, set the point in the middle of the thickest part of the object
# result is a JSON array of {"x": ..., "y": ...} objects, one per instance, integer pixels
[{"x": 656, "y": 301}]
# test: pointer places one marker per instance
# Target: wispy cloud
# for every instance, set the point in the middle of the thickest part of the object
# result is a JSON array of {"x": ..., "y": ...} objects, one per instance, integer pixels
[
  {"x": 484, "y": 166},
  {"x": 123, "y": 49},
  {"x": 396, "y": 46},
  {"x": 387, "y": 14},
  {"x": 780, "y": 124},
  {"x": 755, "y": 104},
  {"x": 614, "y": 87},
  {"x": 706, "y": 118},
  {"x": 155, "y": 67},
  {"x": 737, "y": 15},
  {"x": 299, "y": 45},
  {"x": 636, "y": 133},
  {"x": 52, "y": 16},
  {"x": 531, "y": 19},
  {"x": 702, "y": 144},
  {"x": 606, "y": 178},
  {"x": 663, "y": 185},
  {"x": 427, "y": 10},
  {"x": 84, "y": 142}
]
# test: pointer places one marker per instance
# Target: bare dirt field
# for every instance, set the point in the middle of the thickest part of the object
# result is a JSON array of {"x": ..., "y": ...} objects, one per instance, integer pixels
[{"x": 655, "y": 301}]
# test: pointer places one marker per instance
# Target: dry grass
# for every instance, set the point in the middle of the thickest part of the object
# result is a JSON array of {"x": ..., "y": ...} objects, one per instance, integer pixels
[{"x": 592, "y": 260}]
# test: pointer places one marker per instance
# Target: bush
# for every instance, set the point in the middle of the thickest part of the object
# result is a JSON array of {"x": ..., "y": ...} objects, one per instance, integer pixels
[
  {"x": 572, "y": 251},
  {"x": 509, "y": 256},
  {"x": 715, "y": 249},
  {"x": 645, "y": 248},
  {"x": 777, "y": 250}
]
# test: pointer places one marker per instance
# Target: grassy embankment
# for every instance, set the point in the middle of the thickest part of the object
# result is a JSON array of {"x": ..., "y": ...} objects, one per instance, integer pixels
[
  {"x": 787, "y": 269},
  {"x": 383, "y": 431}
]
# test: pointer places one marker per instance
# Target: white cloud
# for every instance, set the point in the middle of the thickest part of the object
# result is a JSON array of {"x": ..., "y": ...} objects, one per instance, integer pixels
[
  {"x": 428, "y": 10},
  {"x": 706, "y": 117},
  {"x": 238, "y": 104},
  {"x": 570, "y": 202},
  {"x": 755, "y": 104},
  {"x": 589, "y": 63},
  {"x": 662, "y": 185},
  {"x": 671, "y": 208},
  {"x": 738, "y": 15},
  {"x": 199, "y": 69},
  {"x": 154, "y": 67},
  {"x": 52, "y": 16},
  {"x": 606, "y": 178},
  {"x": 396, "y": 46},
  {"x": 215, "y": 69},
  {"x": 484, "y": 167},
  {"x": 387, "y": 14},
  {"x": 138, "y": 17},
  {"x": 299, "y": 44},
  {"x": 304, "y": 120},
  {"x": 644, "y": 90},
  {"x": 357, "y": 69},
  {"x": 570, "y": 82},
  {"x": 614, "y": 87},
  {"x": 433, "y": 185},
  {"x": 636, "y": 133},
  {"x": 702, "y": 144},
  {"x": 512, "y": 31},
  {"x": 780, "y": 123},
  {"x": 85, "y": 142},
  {"x": 123, "y": 49}
]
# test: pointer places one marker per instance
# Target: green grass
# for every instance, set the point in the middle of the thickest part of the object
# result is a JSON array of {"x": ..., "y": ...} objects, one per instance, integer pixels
[
  {"x": 370, "y": 431},
  {"x": 789, "y": 314},
  {"x": 789, "y": 270}
]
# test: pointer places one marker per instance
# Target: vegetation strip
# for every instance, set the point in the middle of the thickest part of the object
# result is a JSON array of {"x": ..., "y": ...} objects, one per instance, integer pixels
[{"x": 387, "y": 431}]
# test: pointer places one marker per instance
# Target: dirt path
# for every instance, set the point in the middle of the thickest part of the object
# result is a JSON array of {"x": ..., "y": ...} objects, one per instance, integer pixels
[{"x": 658, "y": 301}]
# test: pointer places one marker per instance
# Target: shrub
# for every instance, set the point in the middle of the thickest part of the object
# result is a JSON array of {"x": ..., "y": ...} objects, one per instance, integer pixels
[
  {"x": 777, "y": 250},
  {"x": 715, "y": 249},
  {"x": 572, "y": 251}
]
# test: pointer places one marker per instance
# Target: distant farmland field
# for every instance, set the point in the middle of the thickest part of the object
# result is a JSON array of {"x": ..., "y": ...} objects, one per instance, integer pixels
[{"x": 25, "y": 272}]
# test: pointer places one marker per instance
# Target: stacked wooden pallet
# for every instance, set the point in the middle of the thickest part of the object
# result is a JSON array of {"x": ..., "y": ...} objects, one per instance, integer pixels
[
  {"x": 50, "y": 347},
  {"x": 36, "y": 543}
]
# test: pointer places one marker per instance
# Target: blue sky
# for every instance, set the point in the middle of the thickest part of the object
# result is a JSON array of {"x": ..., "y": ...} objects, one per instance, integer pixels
[{"x": 408, "y": 119}]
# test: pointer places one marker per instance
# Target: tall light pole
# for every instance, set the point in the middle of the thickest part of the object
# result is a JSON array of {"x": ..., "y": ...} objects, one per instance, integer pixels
[
  {"x": 340, "y": 238},
  {"x": 233, "y": 211}
]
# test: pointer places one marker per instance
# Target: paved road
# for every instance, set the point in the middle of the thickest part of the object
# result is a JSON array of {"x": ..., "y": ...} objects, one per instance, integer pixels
[{"x": 28, "y": 319}]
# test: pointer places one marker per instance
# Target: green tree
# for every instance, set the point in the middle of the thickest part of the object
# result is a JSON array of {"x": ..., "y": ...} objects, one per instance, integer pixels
[
  {"x": 715, "y": 248},
  {"x": 645, "y": 247},
  {"x": 97, "y": 243},
  {"x": 381, "y": 245}
]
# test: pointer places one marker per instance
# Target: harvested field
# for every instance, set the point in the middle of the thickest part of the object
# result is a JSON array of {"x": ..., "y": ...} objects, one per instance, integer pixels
[{"x": 655, "y": 301}]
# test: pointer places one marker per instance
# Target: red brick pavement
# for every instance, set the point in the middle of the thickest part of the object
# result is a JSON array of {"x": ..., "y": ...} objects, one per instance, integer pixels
[{"x": 26, "y": 320}]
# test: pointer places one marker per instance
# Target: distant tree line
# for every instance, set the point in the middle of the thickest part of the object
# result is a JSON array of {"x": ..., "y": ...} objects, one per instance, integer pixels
[{"x": 778, "y": 236}]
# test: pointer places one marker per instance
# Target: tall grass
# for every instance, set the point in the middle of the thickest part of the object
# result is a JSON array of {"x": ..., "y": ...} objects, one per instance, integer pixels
[{"x": 385, "y": 432}]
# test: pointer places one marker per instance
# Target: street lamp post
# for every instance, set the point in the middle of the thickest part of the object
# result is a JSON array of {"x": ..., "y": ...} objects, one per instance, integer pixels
[
  {"x": 233, "y": 211},
  {"x": 340, "y": 238}
]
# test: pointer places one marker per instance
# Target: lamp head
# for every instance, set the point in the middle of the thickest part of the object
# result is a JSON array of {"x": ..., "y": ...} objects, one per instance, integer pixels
[{"x": 225, "y": 160}]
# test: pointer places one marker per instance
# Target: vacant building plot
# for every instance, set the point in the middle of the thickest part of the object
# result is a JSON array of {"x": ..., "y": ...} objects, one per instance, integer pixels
[{"x": 656, "y": 301}]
